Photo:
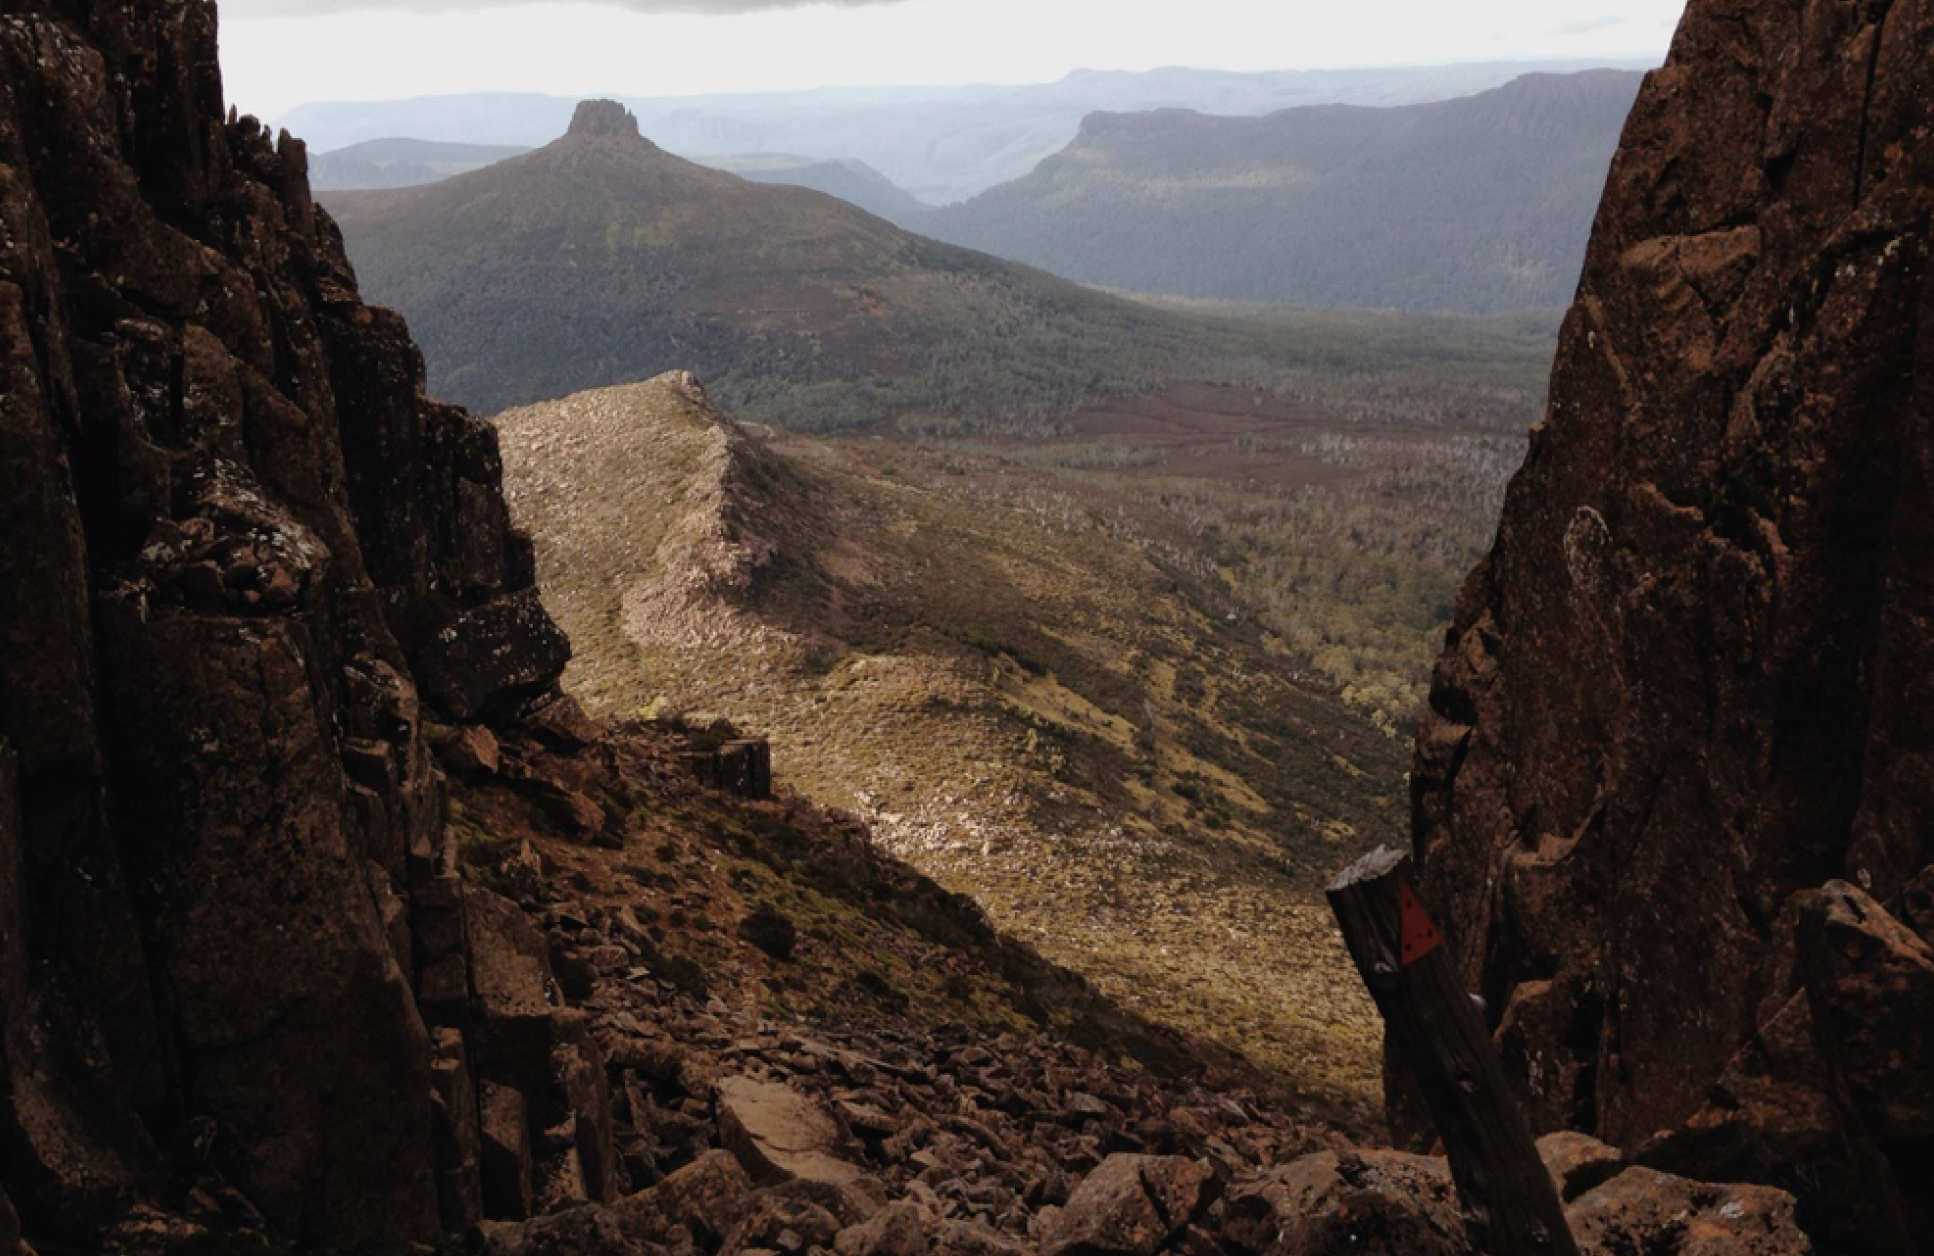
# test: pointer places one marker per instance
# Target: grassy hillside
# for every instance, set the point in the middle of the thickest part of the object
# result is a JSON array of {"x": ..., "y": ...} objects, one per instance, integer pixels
[
  {"x": 1478, "y": 204},
  {"x": 1070, "y": 719}
]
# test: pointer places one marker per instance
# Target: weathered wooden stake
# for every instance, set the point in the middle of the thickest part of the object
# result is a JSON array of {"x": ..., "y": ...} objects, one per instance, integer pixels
[{"x": 1511, "y": 1207}]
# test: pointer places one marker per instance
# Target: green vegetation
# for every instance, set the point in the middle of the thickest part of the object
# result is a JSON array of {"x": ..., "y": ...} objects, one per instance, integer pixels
[{"x": 1355, "y": 567}]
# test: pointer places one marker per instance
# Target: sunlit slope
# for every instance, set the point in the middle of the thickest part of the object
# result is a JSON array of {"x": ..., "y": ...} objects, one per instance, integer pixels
[{"x": 1057, "y": 717}]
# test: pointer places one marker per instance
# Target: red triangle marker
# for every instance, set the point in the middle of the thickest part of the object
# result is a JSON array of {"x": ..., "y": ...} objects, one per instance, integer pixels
[{"x": 1420, "y": 936}]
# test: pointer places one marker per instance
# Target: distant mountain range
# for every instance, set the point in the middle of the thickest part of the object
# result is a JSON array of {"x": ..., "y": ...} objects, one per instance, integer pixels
[
  {"x": 848, "y": 178},
  {"x": 403, "y": 163},
  {"x": 602, "y": 259},
  {"x": 941, "y": 144},
  {"x": 1478, "y": 204}
]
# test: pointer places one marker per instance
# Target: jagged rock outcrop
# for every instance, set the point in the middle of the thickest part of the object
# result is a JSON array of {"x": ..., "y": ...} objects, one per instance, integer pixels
[
  {"x": 593, "y": 118},
  {"x": 1693, "y": 676},
  {"x": 246, "y": 563}
]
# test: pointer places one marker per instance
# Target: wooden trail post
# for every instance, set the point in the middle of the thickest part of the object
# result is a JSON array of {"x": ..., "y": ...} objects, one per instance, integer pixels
[{"x": 1510, "y": 1204}]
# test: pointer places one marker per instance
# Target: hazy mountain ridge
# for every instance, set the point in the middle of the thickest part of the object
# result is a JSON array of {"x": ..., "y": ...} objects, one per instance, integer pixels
[
  {"x": 848, "y": 178},
  {"x": 601, "y": 259},
  {"x": 941, "y": 144},
  {"x": 400, "y": 162},
  {"x": 1481, "y": 203}
]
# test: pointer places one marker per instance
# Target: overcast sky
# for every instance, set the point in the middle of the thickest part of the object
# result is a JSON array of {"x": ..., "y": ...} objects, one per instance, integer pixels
[{"x": 280, "y": 53}]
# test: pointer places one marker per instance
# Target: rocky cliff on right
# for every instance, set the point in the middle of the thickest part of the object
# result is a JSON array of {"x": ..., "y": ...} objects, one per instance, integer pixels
[{"x": 1676, "y": 786}]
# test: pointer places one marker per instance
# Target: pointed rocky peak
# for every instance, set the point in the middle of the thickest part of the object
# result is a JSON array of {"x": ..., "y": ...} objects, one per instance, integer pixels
[{"x": 596, "y": 119}]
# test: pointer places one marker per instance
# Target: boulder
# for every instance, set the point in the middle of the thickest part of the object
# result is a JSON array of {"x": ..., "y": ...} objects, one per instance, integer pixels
[
  {"x": 852, "y": 1202},
  {"x": 559, "y": 1178},
  {"x": 471, "y": 750},
  {"x": 585, "y": 1230},
  {"x": 971, "y": 1238},
  {"x": 707, "y": 1197},
  {"x": 578, "y": 1072},
  {"x": 779, "y": 1134},
  {"x": 775, "y": 1222},
  {"x": 513, "y": 993},
  {"x": 1132, "y": 1206},
  {"x": 1769, "y": 1118},
  {"x": 576, "y": 812},
  {"x": 489, "y": 656},
  {"x": 1577, "y": 1162},
  {"x": 1368, "y": 1203},
  {"x": 1869, "y": 982},
  {"x": 1643, "y": 1210},
  {"x": 505, "y": 1153},
  {"x": 560, "y": 723},
  {"x": 899, "y": 1229}
]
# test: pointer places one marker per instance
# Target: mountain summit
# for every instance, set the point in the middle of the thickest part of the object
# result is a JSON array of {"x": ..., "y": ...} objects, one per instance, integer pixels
[{"x": 598, "y": 119}]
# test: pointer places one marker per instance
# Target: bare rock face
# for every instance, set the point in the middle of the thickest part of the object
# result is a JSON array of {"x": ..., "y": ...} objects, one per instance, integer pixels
[
  {"x": 245, "y": 560},
  {"x": 780, "y": 1135},
  {"x": 1696, "y": 672}
]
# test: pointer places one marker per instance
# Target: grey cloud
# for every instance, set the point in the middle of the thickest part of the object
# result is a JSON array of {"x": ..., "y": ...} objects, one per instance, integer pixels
[{"x": 322, "y": 8}]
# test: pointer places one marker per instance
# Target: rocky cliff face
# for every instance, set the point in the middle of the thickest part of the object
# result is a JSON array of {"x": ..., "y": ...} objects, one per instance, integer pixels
[
  {"x": 1693, "y": 677},
  {"x": 245, "y": 562}
]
